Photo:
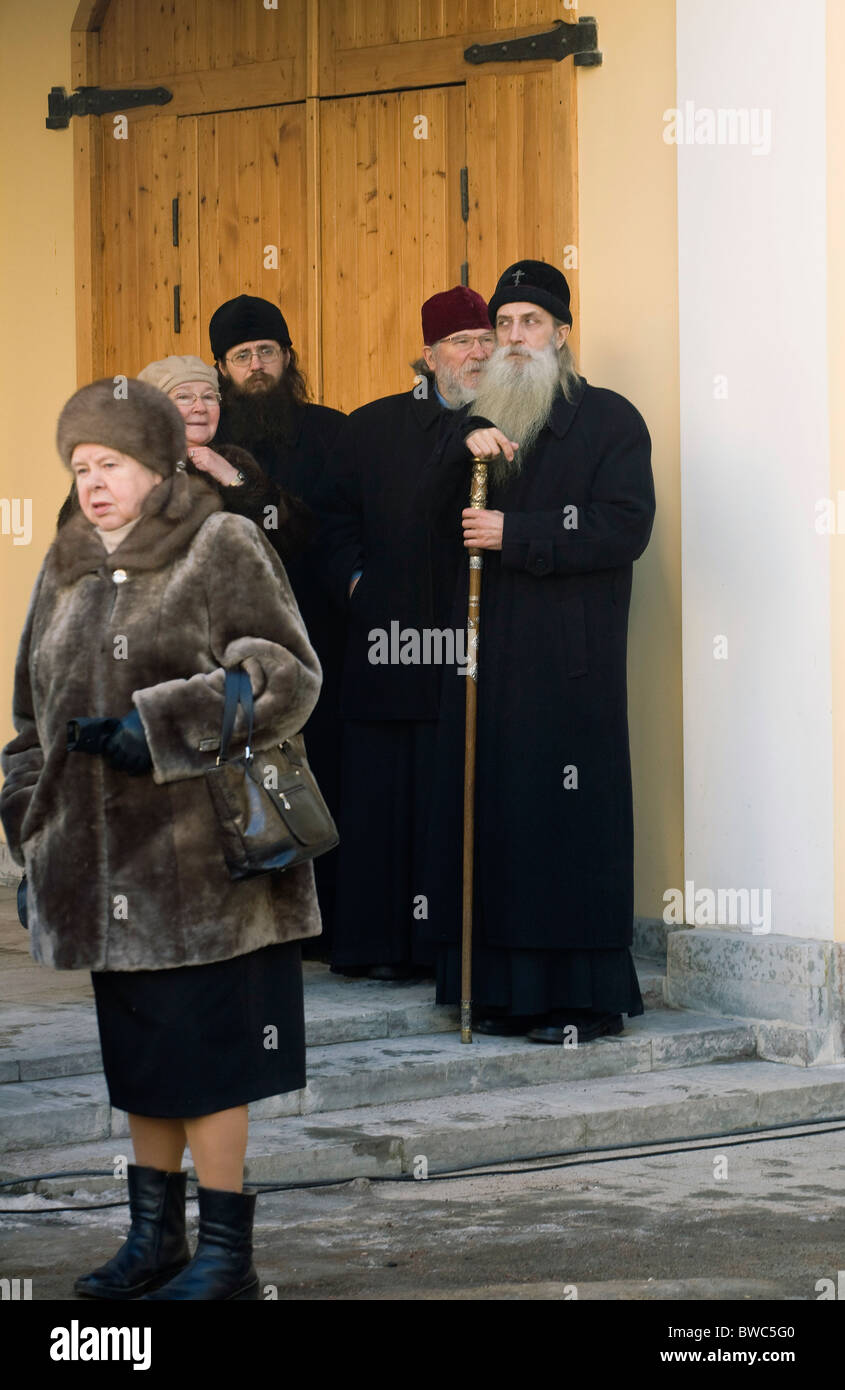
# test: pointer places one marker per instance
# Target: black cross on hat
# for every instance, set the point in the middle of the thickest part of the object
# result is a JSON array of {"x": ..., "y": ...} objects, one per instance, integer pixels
[{"x": 533, "y": 282}]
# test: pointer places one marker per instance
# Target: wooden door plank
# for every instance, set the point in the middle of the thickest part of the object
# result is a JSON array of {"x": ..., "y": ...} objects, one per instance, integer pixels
[
  {"x": 392, "y": 232},
  {"x": 194, "y": 330},
  {"x": 455, "y": 153},
  {"x": 312, "y": 354},
  {"x": 483, "y": 174},
  {"x": 431, "y": 20},
  {"x": 84, "y": 59},
  {"x": 331, "y": 214},
  {"x": 522, "y": 160},
  {"x": 88, "y": 233},
  {"x": 410, "y": 236},
  {"x": 252, "y": 84},
  {"x": 227, "y": 229},
  {"x": 245, "y": 32},
  {"x": 147, "y": 38},
  {"x": 117, "y": 42},
  {"x": 247, "y": 208},
  {"x": 395, "y": 121},
  {"x": 386, "y": 67},
  {"x": 184, "y": 44},
  {"x": 208, "y": 199},
  {"x": 148, "y": 258},
  {"x": 368, "y": 288},
  {"x": 219, "y": 30},
  {"x": 125, "y": 345},
  {"x": 408, "y": 20},
  {"x": 563, "y": 118}
]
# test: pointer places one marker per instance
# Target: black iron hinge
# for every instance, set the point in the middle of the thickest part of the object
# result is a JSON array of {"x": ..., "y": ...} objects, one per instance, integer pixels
[
  {"x": 98, "y": 101},
  {"x": 581, "y": 40}
]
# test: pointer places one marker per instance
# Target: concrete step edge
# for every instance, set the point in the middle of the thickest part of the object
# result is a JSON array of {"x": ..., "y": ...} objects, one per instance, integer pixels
[
  {"x": 498, "y": 1127},
  {"x": 66, "y": 1109},
  {"x": 332, "y": 1020}
]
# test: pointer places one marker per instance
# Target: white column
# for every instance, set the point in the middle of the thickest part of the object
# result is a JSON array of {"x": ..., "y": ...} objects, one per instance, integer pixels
[{"x": 755, "y": 454}]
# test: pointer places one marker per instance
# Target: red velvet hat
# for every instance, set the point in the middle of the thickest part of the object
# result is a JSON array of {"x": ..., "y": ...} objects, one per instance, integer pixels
[{"x": 451, "y": 312}]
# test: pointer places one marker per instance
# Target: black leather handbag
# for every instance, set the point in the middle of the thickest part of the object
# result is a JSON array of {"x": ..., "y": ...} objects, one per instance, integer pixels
[
  {"x": 21, "y": 903},
  {"x": 269, "y": 808}
]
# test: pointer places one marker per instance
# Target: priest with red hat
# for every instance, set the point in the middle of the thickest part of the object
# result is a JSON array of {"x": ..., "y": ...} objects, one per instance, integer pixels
[{"x": 395, "y": 580}]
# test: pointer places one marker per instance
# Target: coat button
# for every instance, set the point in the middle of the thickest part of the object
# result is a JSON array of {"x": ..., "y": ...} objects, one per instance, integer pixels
[{"x": 119, "y": 577}]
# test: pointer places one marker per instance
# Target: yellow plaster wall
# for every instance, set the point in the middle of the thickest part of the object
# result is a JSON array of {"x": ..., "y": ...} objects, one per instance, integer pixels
[
  {"x": 37, "y": 345},
  {"x": 629, "y": 342}
]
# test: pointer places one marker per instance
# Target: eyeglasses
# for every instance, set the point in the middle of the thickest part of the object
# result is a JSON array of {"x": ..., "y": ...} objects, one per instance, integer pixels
[
  {"x": 267, "y": 352},
  {"x": 208, "y": 398},
  {"x": 463, "y": 342}
]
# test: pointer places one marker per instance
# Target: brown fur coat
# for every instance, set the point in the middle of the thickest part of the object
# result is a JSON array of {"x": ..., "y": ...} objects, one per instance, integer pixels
[{"x": 125, "y": 873}]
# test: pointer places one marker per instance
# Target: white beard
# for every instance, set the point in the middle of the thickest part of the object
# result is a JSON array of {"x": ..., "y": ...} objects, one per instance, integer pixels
[
  {"x": 517, "y": 392},
  {"x": 453, "y": 388}
]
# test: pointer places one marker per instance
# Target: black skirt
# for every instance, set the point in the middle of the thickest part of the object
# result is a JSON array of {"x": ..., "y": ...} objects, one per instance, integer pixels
[
  {"x": 537, "y": 982},
  {"x": 386, "y": 781},
  {"x": 187, "y": 1042}
]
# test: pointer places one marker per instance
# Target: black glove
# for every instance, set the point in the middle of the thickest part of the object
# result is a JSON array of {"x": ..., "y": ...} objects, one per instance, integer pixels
[
  {"x": 22, "y": 903},
  {"x": 126, "y": 748},
  {"x": 89, "y": 735}
]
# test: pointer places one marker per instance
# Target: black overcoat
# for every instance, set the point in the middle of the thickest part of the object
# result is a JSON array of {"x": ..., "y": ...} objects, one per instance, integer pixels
[
  {"x": 297, "y": 465},
  {"x": 372, "y": 521},
  {"x": 554, "y": 822}
]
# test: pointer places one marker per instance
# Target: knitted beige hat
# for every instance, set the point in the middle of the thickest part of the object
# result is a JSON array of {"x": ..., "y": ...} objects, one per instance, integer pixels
[{"x": 174, "y": 371}]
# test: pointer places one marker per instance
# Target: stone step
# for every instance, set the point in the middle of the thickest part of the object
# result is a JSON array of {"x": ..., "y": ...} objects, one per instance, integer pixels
[
  {"x": 63, "y": 1110},
  {"x": 40, "y": 1041},
  {"x": 497, "y": 1126}
]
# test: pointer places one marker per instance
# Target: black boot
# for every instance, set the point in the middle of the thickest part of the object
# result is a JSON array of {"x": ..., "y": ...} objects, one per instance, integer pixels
[
  {"x": 222, "y": 1267},
  {"x": 156, "y": 1247}
]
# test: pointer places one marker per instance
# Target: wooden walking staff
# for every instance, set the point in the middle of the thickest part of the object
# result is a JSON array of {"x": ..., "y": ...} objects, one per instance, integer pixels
[{"x": 478, "y": 499}]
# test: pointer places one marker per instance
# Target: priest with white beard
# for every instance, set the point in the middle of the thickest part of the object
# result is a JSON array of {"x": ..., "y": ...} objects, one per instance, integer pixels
[{"x": 570, "y": 506}]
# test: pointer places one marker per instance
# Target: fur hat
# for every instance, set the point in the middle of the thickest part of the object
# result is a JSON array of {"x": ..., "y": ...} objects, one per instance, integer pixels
[
  {"x": 244, "y": 320},
  {"x": 451, "y": 311},
  {"x": 143, "y": 423},
  {"x": 171, "y": 372},
  {"x": 533, "y": 282}
]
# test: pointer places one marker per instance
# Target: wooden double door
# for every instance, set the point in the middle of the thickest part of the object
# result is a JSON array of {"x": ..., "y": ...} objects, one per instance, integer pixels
[{"x": 346, "y": 208}]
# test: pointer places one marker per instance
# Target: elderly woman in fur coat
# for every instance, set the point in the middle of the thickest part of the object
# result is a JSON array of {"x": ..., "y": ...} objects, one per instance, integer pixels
[{"x": 148, "y": 594}]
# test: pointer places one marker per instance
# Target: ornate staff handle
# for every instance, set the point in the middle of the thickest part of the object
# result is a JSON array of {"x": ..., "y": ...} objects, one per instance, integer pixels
[{"x": 477, "y": 499}]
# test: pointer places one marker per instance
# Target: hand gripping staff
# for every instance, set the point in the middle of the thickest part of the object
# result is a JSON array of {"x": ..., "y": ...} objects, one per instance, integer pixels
[{"x": 477, "y": 499}]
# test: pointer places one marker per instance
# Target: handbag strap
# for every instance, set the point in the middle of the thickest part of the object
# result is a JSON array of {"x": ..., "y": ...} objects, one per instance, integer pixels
[{"x": 238, "y": 690}]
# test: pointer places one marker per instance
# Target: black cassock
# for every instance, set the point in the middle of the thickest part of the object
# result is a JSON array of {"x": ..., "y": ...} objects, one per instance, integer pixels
[
  {"x": 372, "y": 522},
  {"x": 553, "y": 886},
  {"x": 299, "y": 465}
]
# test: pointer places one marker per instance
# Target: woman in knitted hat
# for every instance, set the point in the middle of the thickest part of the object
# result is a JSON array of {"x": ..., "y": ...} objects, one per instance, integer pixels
[
  {"x": 239, "y": 480},
  {"x": 133, "y": 622}
]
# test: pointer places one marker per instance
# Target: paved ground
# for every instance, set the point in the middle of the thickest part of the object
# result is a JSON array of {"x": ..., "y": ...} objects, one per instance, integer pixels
[
  {"x": 753, "y": 1221},
  {"x": 654, "y": 1228}
]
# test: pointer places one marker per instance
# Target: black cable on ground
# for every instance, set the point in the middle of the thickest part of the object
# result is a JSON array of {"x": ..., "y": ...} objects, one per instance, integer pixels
[{"x": 610, "y": 1153}]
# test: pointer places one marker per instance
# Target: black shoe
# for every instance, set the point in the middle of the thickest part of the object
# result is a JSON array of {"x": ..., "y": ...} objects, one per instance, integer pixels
[
  {"x": 391, "y": 972},
  {"x": 586, "y": 1030},
  {"x": 505, "y": 1025},
  {"x": 155, "y": 1249},
  {"x": 222, "y": 1267}
]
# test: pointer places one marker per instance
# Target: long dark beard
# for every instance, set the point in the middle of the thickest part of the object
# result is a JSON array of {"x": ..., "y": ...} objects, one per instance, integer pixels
[
  {"x": 518, "y": 398},
  {"x": 253, "y": 418}
]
